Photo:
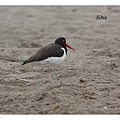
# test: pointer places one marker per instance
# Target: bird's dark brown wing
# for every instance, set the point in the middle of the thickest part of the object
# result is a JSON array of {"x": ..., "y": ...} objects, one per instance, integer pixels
[{"x": 51, "y": 50}]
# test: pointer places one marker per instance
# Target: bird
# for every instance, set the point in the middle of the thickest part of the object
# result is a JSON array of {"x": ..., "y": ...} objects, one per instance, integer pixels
[{"x": 50, "y": 55}]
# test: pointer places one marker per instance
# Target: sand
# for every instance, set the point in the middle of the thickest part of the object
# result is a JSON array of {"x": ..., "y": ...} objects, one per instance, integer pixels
[{"x": 87, "y": 82}]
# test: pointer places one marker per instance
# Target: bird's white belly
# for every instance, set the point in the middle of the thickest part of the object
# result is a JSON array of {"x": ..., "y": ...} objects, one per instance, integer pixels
[{"x": 53, "y": 60}]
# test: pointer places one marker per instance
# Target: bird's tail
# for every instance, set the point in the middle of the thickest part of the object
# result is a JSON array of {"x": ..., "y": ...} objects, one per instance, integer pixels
[
  {"x": 24, "y": 62},
  {"x": 31, "y": 59}
]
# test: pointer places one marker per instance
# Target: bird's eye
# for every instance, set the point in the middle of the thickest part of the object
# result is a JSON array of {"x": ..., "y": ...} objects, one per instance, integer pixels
[{"x": 63, "y": 40}]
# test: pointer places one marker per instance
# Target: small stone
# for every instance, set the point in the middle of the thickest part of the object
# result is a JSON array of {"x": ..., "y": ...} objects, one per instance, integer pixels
[{"x": 105, "y": 107}]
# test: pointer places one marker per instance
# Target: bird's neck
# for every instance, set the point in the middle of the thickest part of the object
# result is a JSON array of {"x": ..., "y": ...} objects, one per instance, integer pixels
[{"x": 65, "y": 49}]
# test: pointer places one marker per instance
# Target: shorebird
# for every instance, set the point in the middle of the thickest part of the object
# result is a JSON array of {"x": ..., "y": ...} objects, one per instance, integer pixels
[{"x": 50, "y": 55}]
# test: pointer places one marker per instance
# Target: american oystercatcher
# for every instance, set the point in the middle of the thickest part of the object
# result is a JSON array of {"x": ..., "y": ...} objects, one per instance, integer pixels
[{"x": 52, "y": 54}]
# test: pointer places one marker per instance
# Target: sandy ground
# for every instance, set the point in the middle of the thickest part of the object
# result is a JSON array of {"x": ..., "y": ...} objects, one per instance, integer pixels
[{"x": 87, "y": 82}]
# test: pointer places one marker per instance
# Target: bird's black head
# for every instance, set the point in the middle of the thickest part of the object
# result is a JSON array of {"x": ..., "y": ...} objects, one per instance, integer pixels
[{"x": 61, "y": 41}]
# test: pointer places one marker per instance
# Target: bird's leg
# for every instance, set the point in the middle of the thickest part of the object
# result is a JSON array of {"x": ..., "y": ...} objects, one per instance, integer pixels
[{"x": 49, "y": 75}]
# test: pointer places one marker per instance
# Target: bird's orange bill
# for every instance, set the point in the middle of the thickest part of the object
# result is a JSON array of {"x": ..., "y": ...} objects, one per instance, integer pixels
[{"x": 70, "y": 47}]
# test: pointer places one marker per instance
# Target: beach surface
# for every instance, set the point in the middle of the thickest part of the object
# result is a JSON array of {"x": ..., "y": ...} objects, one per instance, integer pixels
[{"x": 87, "y": 82}]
